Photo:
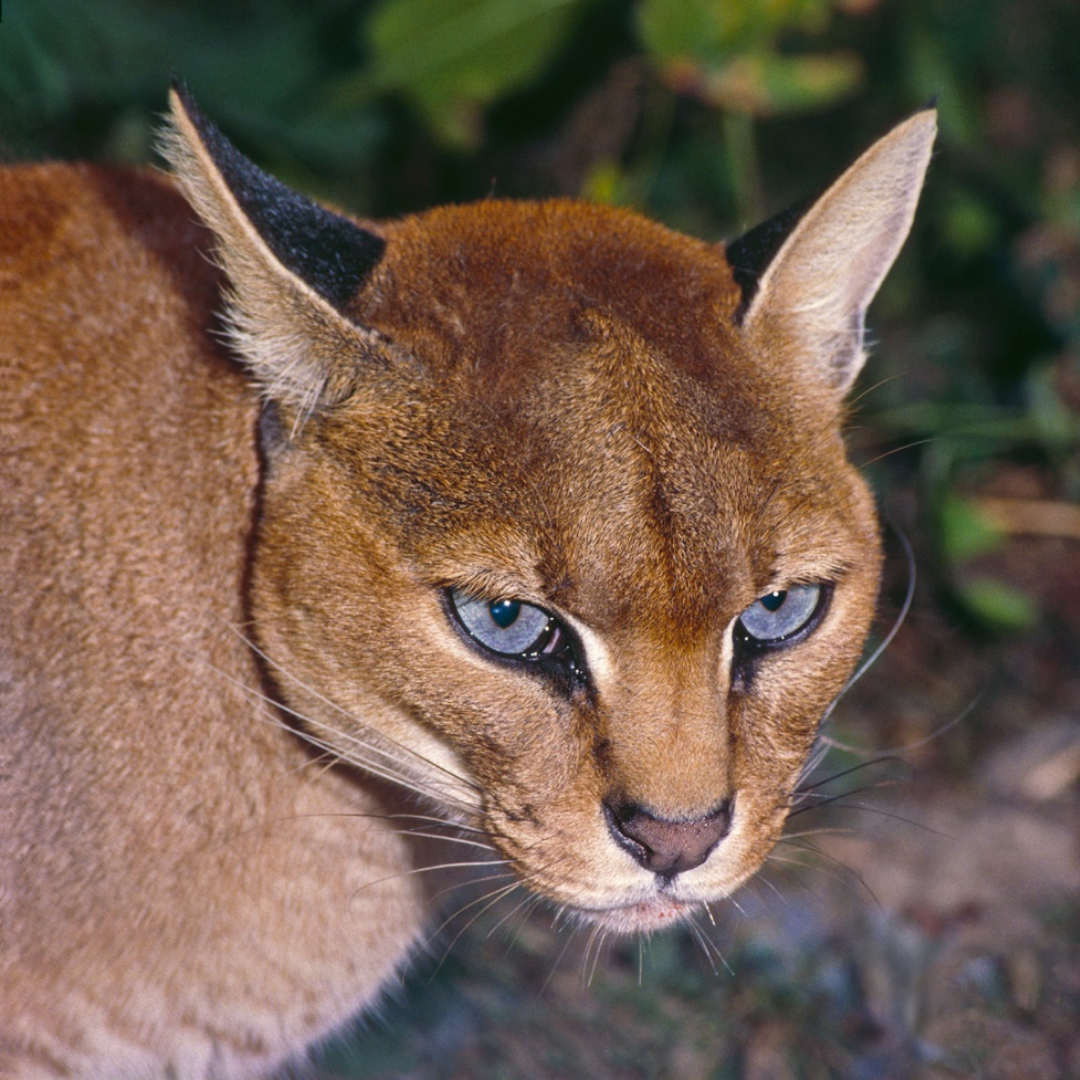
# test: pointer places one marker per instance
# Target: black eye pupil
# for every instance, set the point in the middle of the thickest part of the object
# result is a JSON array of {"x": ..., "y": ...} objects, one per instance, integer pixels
[
  {"x": 774, "y": 601},
  {"x": 504, "y": 613}
]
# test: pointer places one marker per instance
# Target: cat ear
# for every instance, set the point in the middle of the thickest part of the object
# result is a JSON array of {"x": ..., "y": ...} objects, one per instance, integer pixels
[
  {"x": 292, "y": 265},
  {"x": 809, "y": 274}
]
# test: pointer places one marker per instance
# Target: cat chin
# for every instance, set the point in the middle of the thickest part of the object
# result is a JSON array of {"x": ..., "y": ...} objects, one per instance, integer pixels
[{"x": 656, "y": 913}]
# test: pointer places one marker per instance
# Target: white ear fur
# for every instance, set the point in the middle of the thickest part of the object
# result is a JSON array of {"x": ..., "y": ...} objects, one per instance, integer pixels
[
  {"x": 818, "y": 286},
  {"x": 281, "y": 317}
]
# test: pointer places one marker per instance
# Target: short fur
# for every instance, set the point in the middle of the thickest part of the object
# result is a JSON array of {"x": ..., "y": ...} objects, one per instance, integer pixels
[{"x": 231, "y": 680}]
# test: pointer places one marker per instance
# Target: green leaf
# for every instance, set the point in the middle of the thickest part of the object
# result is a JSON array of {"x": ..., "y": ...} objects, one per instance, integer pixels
[
  {"x": 997, "y": 604},
  {"x": 791, "y": 83},
  {"x": 711, "y": 31},
  {"x": 690, "y": 31},
  {"x": 971, "y": 227},
  {"x": 605, "y": 183},
  {"x": 450, "y": 58},
  {"x": 965, "y": 531},
  {"x": 726, "y": 52}
]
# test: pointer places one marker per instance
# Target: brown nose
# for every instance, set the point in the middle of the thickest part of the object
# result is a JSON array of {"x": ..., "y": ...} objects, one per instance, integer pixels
[{"x": 667, "y": 847}]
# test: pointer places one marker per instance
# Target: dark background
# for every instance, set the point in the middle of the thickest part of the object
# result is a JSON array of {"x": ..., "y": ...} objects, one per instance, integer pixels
[{"x": 936, "y": 928}]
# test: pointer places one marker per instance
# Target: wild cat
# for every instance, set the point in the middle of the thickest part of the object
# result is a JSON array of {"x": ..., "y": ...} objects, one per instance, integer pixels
[{"x": 532, "y": 519}]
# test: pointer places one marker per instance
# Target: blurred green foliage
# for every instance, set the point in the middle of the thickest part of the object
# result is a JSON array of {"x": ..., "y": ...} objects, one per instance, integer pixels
[
  {"x": 450, "y": 61},
  {"x": 703, "y": 113},
  {"x": 728, "y": 53}
]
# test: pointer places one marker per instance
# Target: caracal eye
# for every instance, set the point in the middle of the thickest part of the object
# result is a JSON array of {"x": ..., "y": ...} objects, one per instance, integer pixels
[
  {"x": 782, "y": 614},
  {"x": 507, "y": 627}
]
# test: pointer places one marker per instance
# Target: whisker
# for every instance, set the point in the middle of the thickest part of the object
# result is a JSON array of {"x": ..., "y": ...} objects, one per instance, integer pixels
[
  {"x": 448, "y": 838},
  {"x": 416, "y": 870},
  {"x": 935, "y": 734},
  {"x": 930, "y": 439},
  {"x": 433, "y": 821},
  {"x": 487, "y": 899},
  {"x": 464, "y": 841},
  {"x": 857, "y": 399},
  {"x": 769, "y": 885},
  {"x": 377, "y": 768},
  {"x": 880, "y": 760},
  {"x": 711, "y": 947},
  {"x": 880, "y": 811},
  {"x": 524, "y": 902},
  {"x": 597, "y": 938},
  {"x": 331, "y": 753},
  {"x": 828, "y": 800},
  {"x": 396, "y": 744},
  {"x": 492, "y": 899},
  {"x": 831, "y": 830},
  {"x": 468, "y": 883},
  {"x": 842, "y": 872},
  {"x": 704, "y": 942},
  {"x": 555, "y": 965}
]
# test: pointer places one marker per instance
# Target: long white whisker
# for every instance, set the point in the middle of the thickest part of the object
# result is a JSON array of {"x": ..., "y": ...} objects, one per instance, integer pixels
[
  {"x": 375, "y": 767},
  {"x": 593, "y": 949},
  {"x": 703, "y": 941},
  {"x": 492, "y": 899},
  {"x": 331, "y": 753},
  {"x": 449, "y": 773},
  {"x": 555, "y": 965},
  {"x": 709, "y": 944},
  {"x": 416, "y": 870},
  {"x": 524, "y": 902},
  {"x": 470, "y": 883},
  {"x": 434, "y": 821},
  {"x": 444, "y": 838}
]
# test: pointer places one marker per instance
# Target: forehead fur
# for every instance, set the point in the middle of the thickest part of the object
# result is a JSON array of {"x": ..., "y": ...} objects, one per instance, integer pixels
[
  {"x": 492, "y": 279},
  {"x": 600, "y": 429}
]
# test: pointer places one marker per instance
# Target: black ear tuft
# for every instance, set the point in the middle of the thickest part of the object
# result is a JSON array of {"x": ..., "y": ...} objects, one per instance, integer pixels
[
  {"x": 752, "y": 252},
  {"x": 327, "y": 251}
]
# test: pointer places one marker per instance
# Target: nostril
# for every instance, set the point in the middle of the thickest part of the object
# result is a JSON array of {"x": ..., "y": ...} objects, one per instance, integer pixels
[{"x": 667, "y": 847}]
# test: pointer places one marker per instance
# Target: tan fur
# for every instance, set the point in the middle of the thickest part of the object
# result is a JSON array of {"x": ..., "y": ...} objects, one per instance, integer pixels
[{"x": 553, "y": 402}]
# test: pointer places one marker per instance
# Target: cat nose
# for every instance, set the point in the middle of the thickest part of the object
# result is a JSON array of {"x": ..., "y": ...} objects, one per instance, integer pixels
[{"x": 663, "y": 846}]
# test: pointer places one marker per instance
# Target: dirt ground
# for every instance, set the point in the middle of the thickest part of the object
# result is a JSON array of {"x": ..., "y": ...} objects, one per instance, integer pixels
[{"x": 924, "y": 925}]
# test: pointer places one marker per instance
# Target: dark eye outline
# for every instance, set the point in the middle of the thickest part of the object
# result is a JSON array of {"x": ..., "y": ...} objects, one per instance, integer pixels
[
  {"x": 747, "y": 643},
  {"x": 556, "y": 652}
]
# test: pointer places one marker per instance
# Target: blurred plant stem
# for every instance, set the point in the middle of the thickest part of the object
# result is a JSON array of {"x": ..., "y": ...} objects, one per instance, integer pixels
[{"x": 743, "y": 166}]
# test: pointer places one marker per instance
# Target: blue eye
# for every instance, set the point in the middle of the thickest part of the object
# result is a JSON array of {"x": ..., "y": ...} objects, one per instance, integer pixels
[
  {"x": 780, "y": 615},
  {"x": 507, "y": 627}
]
